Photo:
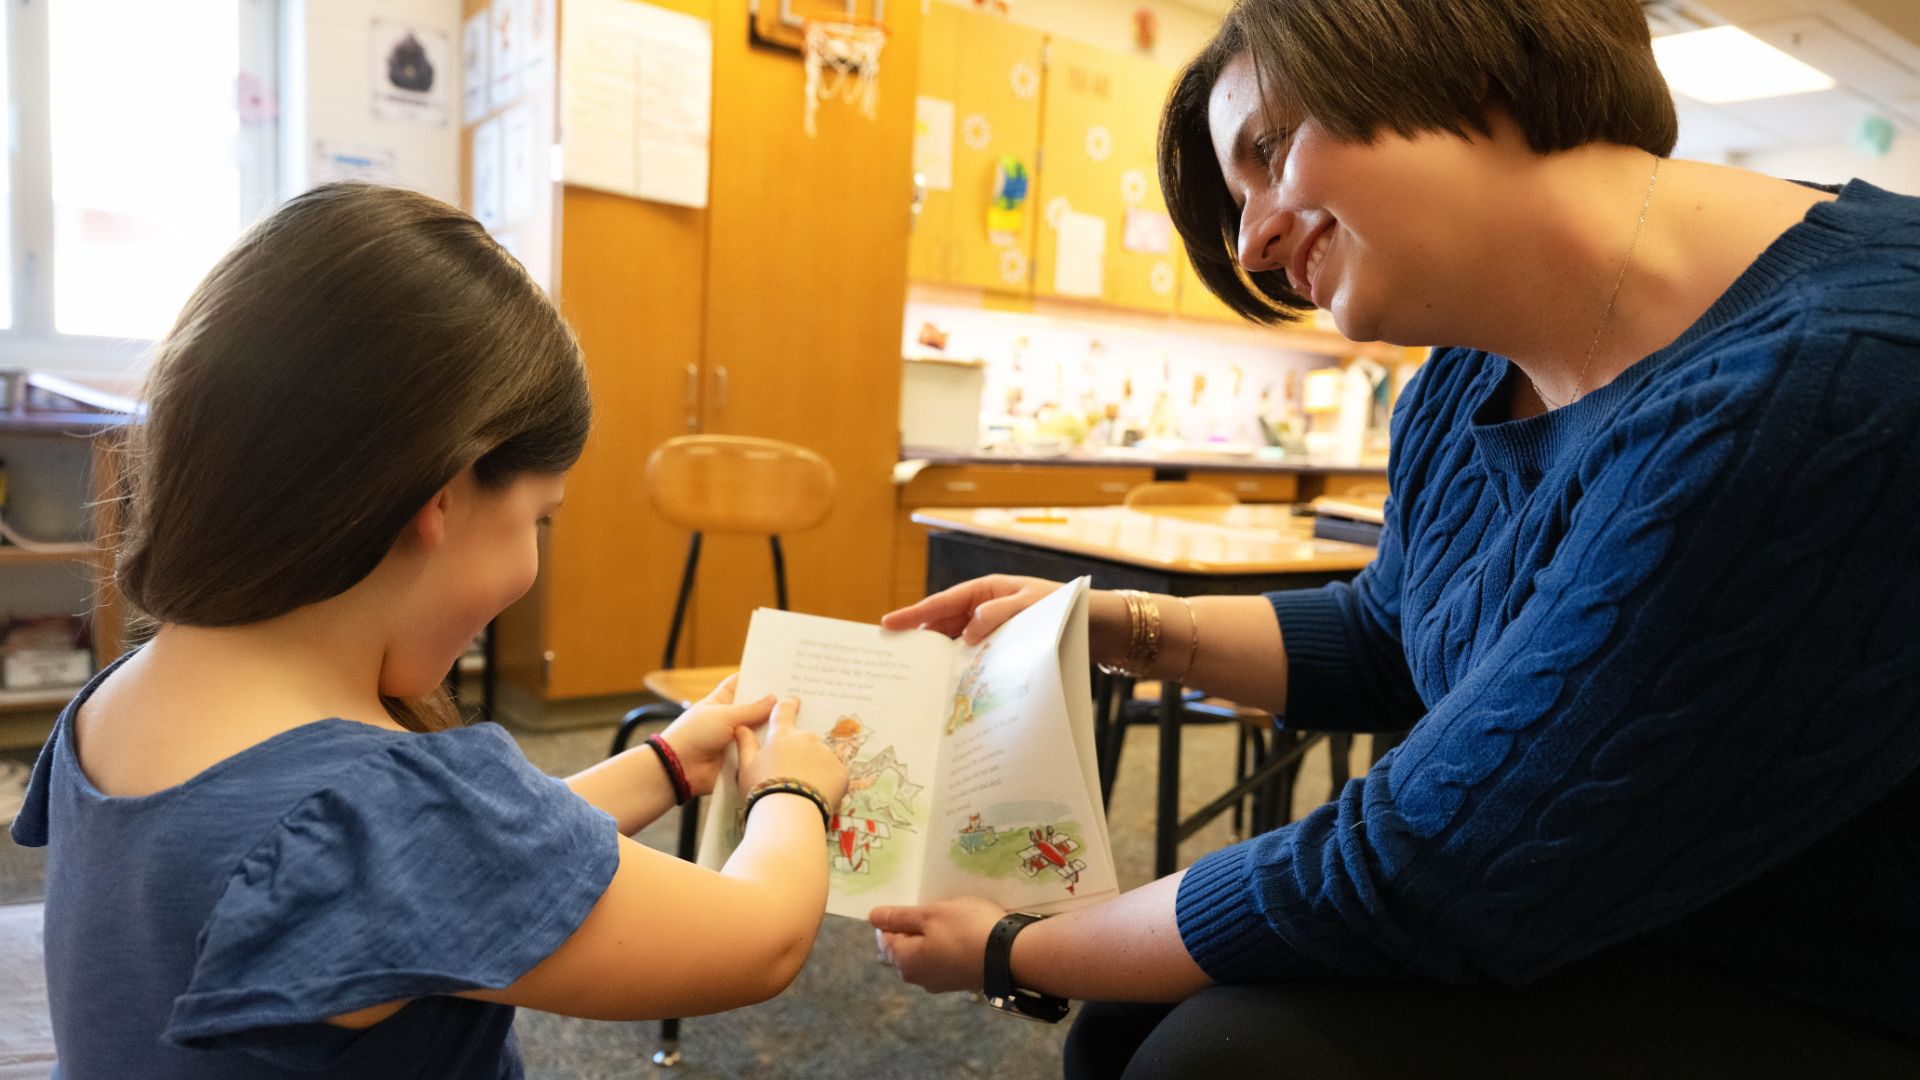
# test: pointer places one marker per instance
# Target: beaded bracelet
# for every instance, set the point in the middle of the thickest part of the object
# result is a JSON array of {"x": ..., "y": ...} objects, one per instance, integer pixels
[
  {"x": 677, "y": 776},
  {"x": 787, "y": 785}
]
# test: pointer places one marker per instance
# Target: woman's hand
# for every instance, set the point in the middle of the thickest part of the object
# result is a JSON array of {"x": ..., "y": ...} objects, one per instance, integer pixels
[
  {"x": 938, "y": 947},
  {"x": 788, "y": 751},
  {"x": 701, "y": 735},
  {"x": 972, "y": 609}
]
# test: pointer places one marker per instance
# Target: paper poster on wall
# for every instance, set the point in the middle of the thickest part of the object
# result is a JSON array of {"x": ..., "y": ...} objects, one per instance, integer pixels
[
  {"x": 1147, "y": 232},
  {"x": 506, "y": 51},
  {"x": 539, "y": 15},
  {"x": 487, "y": 181},
  {"x": 473, "y": 59},
  {"x": 412, "y": 67},
  {"x": 337, "y": 160},
  {"x": 933, "y": 142},
  {"x": 519, "y": 158},
  {"x": 1079, "y": 261},
  {"x": 636, "y": 89}
]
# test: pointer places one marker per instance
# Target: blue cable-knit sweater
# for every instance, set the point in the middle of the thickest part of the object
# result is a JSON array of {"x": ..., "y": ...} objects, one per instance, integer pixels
[{"x": 1663, "y": 648}]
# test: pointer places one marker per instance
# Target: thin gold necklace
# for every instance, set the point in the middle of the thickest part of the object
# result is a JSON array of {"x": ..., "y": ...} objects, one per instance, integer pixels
[{"x": 1606, "y": 317}]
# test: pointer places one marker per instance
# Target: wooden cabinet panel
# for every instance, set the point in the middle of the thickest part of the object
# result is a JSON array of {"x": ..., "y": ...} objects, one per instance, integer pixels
[
  {"x": 930, "y": 244},
  {"x": 806, "y": 278},
  {"x": 1097, "y": 158},
  {"x": 1021, "y": 485},
  {"x": 1253, "y": 487},
  {"x": 997, "y": 116}
]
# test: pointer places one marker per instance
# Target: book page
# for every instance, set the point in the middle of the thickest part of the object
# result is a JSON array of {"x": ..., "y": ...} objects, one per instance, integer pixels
[
  {"x": 1018, "y": 816},
  {"x": 876, "y": 697}
]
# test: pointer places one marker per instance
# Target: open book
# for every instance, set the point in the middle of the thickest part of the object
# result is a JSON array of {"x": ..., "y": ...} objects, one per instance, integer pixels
[{"x": 972, "y": 769}]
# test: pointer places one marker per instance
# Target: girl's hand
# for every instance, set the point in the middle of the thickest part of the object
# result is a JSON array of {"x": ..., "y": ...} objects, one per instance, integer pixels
[
  {"x": 938, "y": 947},
  {"x": 788, "y": 751},
  {"x": 701, "y": 735},
  {"x": 972, "y": 609}
]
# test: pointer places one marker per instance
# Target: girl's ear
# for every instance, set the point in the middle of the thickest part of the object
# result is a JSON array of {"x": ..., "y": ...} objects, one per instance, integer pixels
[{"x": 429, "y": 526}]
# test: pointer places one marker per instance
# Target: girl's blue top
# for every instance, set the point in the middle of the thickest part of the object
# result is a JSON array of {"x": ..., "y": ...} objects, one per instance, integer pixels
[{"x": 208, "y": 930}]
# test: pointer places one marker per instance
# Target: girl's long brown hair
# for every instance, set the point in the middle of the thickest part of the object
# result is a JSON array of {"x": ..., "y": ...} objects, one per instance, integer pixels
[{"x": 349, "y": 357}]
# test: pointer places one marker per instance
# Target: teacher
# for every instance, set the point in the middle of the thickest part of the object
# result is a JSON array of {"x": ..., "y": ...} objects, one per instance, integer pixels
[{"x": 1648, "y": 595}]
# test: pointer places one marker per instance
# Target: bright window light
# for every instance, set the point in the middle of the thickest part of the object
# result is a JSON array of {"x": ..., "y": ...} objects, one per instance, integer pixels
[
  {"x": 146, "y": 175},
  {"x": 1727, "y": 64}
]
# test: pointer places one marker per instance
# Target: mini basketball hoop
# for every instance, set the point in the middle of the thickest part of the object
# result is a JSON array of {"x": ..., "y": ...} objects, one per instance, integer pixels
[{"x": 842, "y": 54}]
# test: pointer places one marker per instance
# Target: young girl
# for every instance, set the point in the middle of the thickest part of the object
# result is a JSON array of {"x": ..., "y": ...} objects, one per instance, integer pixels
[{"x": 272, "y": 848}]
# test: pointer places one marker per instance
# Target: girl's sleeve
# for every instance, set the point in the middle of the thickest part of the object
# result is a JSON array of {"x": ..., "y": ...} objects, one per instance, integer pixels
[{"x": 445, "y": 863}]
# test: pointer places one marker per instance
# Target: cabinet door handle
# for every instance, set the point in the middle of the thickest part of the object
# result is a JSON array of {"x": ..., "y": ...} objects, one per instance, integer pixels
[
  {"x": 962, "y": 485},
  {"x": 720, "y": 387},
  {"x": 693, "y": 397},
  {"x": 1113, "y": 487}
]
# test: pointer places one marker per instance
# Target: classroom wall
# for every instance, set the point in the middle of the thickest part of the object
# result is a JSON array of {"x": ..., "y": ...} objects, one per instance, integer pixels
[
  {"x": 326, "y": 93},
  {"x": 1835, "y": 163}
]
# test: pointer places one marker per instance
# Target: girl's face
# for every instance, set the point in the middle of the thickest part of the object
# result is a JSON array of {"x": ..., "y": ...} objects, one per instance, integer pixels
[
  {"x": 1366, "y": 231},
  {"x": 486, "y": 556}
]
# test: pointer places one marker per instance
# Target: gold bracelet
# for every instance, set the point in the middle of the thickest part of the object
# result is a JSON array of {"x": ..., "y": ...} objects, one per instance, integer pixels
[
  {"x": 1193, "y": 639},
  {"x": 1143, "y": 636}
]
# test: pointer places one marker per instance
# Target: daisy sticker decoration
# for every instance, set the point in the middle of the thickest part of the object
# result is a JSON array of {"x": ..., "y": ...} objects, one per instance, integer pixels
[
  {"x": 1160, "y": 278},
  {"x": 1099, "y": 142},
  {"x": 976, "y": 132},
  {"x": 1133, "y": 187},
  {"x": 1013, "y": 266},
  {"x": 1024, "y": 80}
]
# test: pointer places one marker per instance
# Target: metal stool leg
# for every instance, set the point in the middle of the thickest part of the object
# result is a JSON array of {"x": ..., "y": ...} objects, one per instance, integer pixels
[{"x": 668, "y": 1054}]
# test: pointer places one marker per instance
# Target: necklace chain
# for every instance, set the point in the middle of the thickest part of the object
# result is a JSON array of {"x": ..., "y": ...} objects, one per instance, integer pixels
[{"x": 1606, "y": 317}]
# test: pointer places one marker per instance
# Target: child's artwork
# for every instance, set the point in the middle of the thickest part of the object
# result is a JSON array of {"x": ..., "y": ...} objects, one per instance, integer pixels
[{"x": 982, "y": 756}]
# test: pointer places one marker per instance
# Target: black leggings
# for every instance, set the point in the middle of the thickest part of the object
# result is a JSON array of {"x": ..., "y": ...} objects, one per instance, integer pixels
[{"x": 1633, "y": 1011}]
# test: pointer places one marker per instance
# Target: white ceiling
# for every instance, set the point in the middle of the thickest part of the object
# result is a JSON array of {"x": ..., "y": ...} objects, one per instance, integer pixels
[{"x": 1870, "y": 47}]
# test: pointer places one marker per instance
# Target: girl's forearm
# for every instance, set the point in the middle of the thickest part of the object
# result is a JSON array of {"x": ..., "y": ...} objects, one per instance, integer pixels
[{"x": 631, "y": 787}]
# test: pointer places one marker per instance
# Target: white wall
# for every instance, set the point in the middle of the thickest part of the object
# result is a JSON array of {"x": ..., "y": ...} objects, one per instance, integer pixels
[
  {"x": 327, "y": 93},
  {"x": 1836, "y": 163}
]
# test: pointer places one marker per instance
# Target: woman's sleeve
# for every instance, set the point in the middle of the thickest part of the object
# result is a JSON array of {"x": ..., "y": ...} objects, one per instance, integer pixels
[
  {"x": 1346, "y": 667},
  {"x": 1715, "y": 671},
  {"x": 445, "y": 863}
]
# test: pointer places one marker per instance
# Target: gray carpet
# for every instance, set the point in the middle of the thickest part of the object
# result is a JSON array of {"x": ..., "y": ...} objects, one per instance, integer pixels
[{"x": 846, "y": 1015}]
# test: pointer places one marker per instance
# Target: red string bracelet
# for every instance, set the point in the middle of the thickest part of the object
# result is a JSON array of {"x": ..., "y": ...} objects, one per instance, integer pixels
[{"x": 677, "y": 776}]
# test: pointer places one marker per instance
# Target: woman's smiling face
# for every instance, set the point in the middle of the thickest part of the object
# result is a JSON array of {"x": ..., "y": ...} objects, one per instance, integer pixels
[{"x": 1380, "y": 234}]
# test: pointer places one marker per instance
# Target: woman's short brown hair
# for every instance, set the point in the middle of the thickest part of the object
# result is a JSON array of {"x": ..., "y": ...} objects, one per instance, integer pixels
[
  {"x": 353, "y": 353},
  {"x": 1568, "y": 72}
]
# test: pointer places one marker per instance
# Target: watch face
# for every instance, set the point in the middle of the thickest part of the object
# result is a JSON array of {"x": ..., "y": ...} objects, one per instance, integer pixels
[{"x": 1036, "y": 1007}]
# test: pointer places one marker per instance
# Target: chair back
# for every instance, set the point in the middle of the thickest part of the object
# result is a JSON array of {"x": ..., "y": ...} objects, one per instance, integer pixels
[
  {"x": 1178, "y": 493},
  {"x": 737, "y": 484}
]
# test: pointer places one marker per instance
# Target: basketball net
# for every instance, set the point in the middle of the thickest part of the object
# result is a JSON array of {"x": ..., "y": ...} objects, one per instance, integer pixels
[{"x": 843, "y": 61}]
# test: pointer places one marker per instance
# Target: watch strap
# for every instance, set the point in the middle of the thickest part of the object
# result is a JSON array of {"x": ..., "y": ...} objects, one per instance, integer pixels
[{"x": 997, "y": 972}]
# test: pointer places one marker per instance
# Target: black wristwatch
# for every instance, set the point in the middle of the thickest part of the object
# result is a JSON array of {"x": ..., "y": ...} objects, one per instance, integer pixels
[{"x": 1000, "y": 991}]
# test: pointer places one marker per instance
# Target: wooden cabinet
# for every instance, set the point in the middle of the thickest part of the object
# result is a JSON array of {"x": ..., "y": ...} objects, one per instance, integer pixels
[
  {"x": 774, "y": 311},
  {"x": 1097, "y": 159},
  {"x": 987, "y": 72},
  {"x": 1253, "y": 487}
]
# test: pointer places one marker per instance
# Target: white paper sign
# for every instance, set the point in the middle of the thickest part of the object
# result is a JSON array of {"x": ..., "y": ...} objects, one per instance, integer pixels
[
  {"x": 412, "y": 68},
  {"x": 1147, "y": 232},
  {"x": 506, "y": 47},
  {"x": 1080, "y": 254},
  {"x": 520, "y": 158},
  {"x": 487, "y": 194},
  {"x": 933, "y": 142},
  {"x": 474, "y": 54},
  {"x": 636, "y": 86},
  {"x": 336, "y": 160}
]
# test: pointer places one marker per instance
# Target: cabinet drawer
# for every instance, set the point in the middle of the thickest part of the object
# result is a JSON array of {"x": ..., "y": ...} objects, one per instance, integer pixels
[
  {"x": 1021, "y": 485},
  {"x": 1253, "y": 487}
]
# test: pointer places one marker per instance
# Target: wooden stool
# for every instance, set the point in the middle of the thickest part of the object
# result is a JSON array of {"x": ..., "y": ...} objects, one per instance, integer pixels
[{"x": 1177, "y": 493}]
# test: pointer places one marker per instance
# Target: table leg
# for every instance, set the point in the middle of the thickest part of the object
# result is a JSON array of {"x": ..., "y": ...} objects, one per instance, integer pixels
[{"x": 1166, "y": 828}]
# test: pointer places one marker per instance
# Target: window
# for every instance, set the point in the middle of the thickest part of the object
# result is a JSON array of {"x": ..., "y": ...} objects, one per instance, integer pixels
[{"x": 144, "y": 143}]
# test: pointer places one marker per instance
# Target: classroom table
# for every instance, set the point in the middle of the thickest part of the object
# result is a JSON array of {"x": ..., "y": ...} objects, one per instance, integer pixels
[{"x": 1178, "y": 550}]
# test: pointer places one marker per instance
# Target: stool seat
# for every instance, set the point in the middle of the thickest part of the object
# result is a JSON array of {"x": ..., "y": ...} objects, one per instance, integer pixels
[
  {"x": 1246, "y": 714},
  {"x": 684, "y": 686}
]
